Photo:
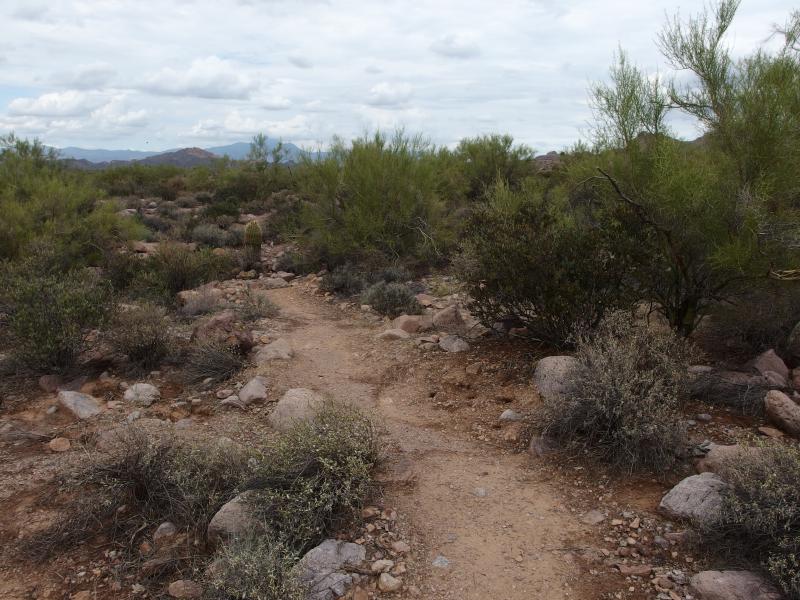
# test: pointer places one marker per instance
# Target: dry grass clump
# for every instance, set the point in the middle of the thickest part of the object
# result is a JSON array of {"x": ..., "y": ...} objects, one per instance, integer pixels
[
  {"x": 201, "y": 303},
  {"x": 212, "y": 360},
  {"x": 256, "y": 306},
  {"x": 626, "y": 394}
]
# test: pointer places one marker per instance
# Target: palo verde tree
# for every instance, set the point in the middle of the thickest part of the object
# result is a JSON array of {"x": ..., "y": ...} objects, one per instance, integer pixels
[{"x": 712, "y": 214}]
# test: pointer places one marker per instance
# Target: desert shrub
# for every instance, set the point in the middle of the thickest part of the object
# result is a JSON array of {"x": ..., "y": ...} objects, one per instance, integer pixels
[
  {"x": 120, "y": 269},
  {"x": 539, "y": 261},
  {"x": 344, "y": 280},
  {"x": 254, "y": 567},
  {"x": 314, "y": 477},
  {"x": 623, "y": 405},
  {"x": 50, "y": 314},
  {"x": 157, "y": 223},
  {"x": 391, "y": 274},
  {"x": 156, "y": 477},
  {"x": 221, "y": 208},
  {"x": 212, "y": 360},
  {"x": 204, "y": 302},
  {"x": 293, "y": 261},
  {"x": 210, "y": 235},
  {"x": 760, "y": 516},
  {"x": 391, "y": 299},
  {"x": 170, "y": 188},
  {"x": 175, "y": 268},
  {"x": 255, "y": 306},
  {"x": 142, "y": 334},
  {"x": 485, "y": 159}
]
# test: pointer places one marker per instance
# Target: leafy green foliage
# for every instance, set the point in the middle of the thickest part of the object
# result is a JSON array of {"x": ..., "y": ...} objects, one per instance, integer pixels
[
  {"x": 175, "y": 268},
  {"x": 623, "y": 406},
  {"x": 391, "y": 299},
  {"x": 760, "y": 516}
]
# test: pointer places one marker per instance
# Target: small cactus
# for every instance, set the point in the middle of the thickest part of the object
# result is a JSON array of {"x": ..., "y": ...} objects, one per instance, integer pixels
[{"x": 252, "y": 236}]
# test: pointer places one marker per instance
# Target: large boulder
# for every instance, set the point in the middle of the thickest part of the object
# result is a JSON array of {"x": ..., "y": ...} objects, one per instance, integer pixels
[
  {"x": 83, "y": 406},
  {"x": 413, "y": 323},
  {"x": 553, "y": 374},
  {"x": 718, "y": 456},
  {"x": 323, "y": 570},
  {"x": 449, "y": 319},
  {"x": 298, "y": 404},
  {"x": 254, "y": 390},
  {"x": 453, "y": 343},
  {"x": 280, "y": 349},
  {"x": 697, "y": 498},
  {"x": 142, "y": 394},
  {"x": 236, "y": 518},
  {"x": 732, "y": 585},
  {"x": 771, "y": 362},
  {"x": 729, "y": 388},
  {"x": 223, "y": 328},
  {"x": 783, "y": 412}
]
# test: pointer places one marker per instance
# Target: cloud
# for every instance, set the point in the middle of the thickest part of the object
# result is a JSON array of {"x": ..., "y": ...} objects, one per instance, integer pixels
[
  {"x": 456, "y": 46},
  {"x": 117, "y": 115},
  {"x": 373, "y": 69},
  {"x": 236, "y": 124},
  {"x": 276, "y": 103},
  {"x": 210, "y": 78},
  {"x": 87, "y": 77},
  {"x": 56, "y": 104},
  {"x": 31, "y": 11},
  {"x": 300, "y": 62},
  {"x": 389, "y": 94}
]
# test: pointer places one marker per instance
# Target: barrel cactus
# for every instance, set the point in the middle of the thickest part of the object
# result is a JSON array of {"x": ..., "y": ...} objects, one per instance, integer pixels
[{"x": 252, "y": 242}]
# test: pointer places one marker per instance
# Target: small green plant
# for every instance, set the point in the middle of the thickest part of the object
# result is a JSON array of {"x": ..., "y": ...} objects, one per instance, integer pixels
[
  {"x": 211, "y": 235},
  {"x": 623, "y": 405},
  {"x": 391, "y": 299},
  {"x": 252, "y": 242},
  {"x": 175, "y": 268},
  {"x": 212, "y": 360},
  {"x": 344, "y": 280},
  {"x": 256, "y": 306},
  {"x": 760, "y": 515},
  {"x": 142, "y": 334},
  {"x": 254, "y": 567}
]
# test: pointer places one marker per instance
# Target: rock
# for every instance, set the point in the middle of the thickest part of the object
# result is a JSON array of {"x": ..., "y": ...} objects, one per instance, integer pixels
[
  {"x": 298, "y": 404},
  {"x": 394, "y": 334},
  {"x": 275, "y": 283},
  {"x": 165, "y": 532},
  {"x": 50, "y": 383},
  {"x": 254, "y": 390},
  {"x": 388, "y": 584},
  {"x": 223, "y": 328},
  {"x": 783, "y": 412},
  {"x": 412, "y": 323},
  {"x": 207, "y": 294},
  {"x": 593, "y": 517},
  {"x": 697, "y": 498},
  {"x": 732, "y": 585},
  {"x": 552, "y": 376},
  {"x": 381, "y": 566},
  {"x": 234, "y": 401},
  {"x": 185, "y": 588},
  {"x": 401, "y": 547},
  {"x": 280, "y": 349},
  {"x": 793, "y": 343},
  {"x": 775, "y": 379},
  {"x": 453, "y": 343},
  {"x": 59, "y": 444},
  {"x": 425, "y": 300},
  {"x": 440, "y": 562},
  {"x": 638, "y": 570},
  {"x": 718, "y": 456},
  {"x": 234, "y": 519},
  {"x": 322, "y": 569},
  {"x": 510, "y": 415},
  {"x": 771, "y": 432},
  {"x": 142, "y": 394},
  {"x": 729, "y": 388},
  {"x": 83, "y": 406},
  {"x": 541, "y": 446},
  {"x": 769, "y": 361},
  {"x": 704, "y": 418},
  {"x": 449, "y": 319}
]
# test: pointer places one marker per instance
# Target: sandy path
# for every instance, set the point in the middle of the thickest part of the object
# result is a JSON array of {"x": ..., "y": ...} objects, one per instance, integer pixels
[{"x": 502, "y": 528}]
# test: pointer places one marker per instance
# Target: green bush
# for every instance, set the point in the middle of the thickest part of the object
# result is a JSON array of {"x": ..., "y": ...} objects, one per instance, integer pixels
[
  {"x": 489, "y": 158},
  {"x": 314, "y": 478},
  {"x": 344, "y": 280},
  {"x": 624, "y": 398},
  {"x": 254, "y": 567},
  {"x": 143, "y": 334},
  {"x": 175, "y": 268},
  {"x": 50, "y": 314},
  {"x": 211, "y": 235},
  {"x": 391, "y": 299},
  {"x": 543, "y": 263},
  {"x": 221, "y": 208},
  {"x": 760, "y": 516}
]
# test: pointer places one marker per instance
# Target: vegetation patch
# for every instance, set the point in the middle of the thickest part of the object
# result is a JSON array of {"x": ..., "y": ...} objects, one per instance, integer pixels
[{"x": 391, "y": 299}]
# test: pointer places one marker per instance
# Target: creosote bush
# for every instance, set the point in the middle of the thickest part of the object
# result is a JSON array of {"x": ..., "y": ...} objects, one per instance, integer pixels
[
  {"x": 391, "y": 299},
  {"x": 254, "y": 567},
  {"x": 625, "y": 396},
  {"x": 344, "y": 280},
  {"x": 255, "y": 305},
  {"x": 760, "y": 516},
  {"x": 175, "y": 268},
  {"x": 313, "y": 479},
  {"x": 143, "y": 334}
]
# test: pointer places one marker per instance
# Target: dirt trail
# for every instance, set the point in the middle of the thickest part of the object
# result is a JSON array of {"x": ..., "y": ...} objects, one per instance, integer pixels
[{"x": 500, "y": 525}]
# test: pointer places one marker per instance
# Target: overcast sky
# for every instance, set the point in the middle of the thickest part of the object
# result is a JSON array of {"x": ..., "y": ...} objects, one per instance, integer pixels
[{"x": 153, "y": 75}]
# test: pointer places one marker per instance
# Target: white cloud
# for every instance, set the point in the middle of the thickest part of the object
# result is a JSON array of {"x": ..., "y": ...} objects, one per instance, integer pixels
[
  {"x": 300, "y": 62},
  {"x": 210, "y": 78},
  {"x": 389, "y": 94},
  {"x": 87, "y": 77},
  {"x": 242, "y": 125},
  {"x": 56, "y": 104},
  {"x": 456, "y": 46},
  {"x": 276, "y": 103}
]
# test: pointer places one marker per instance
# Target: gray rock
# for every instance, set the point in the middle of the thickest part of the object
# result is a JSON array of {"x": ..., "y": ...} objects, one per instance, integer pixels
[
  {"x": 234, "y": 519},
  {"x": 510, "y": 415},
  {"x": 322, "y": 569},
  {"x": 453, "y": 343},
  {"x": 275, "y": 283},
  {"x": 165, "y": 532},
  {"x": 440, "y": 562},
  {"x": 718, "y": 456},
  {"x": 449, "y": 319},
  {"x": 730, "y": 388},
  {"x": 142, "y": 394},
  {"x": 298, "y": 404},
  {"x": 254, "y": 390},
  {"x": 593, "y": 517},
  {"x": 280, "y": 349},
  {"x": 83, "y": 406},
  {"x": 793, "y": 343},
  {"x": 697, "y": 498},
  {"x": 783, "y": 412},
  {"x": 769, "y": 361},
  {"x": 552, "y": 376},
  {"x": 732, "y": 585},
  {"x": 393, "y": 334}
]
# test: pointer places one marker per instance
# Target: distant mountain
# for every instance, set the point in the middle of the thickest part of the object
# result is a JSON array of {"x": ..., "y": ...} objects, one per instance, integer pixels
[
  {"x": 100, "y": 156},
  {"x": 240, "y": 150},
  {"x": 186, "y": 157}
]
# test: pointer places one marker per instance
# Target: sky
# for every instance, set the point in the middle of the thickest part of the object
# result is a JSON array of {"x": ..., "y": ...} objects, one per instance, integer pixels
[{"x": 152, "y": 75}]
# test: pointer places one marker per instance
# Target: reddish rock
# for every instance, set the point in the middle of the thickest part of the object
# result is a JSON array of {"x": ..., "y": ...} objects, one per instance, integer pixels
[{"x": 782, "y": 412}]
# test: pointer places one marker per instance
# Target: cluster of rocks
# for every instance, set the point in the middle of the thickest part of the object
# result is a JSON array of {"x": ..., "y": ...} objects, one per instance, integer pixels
[{"x": 443, "y": 329}]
